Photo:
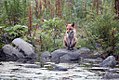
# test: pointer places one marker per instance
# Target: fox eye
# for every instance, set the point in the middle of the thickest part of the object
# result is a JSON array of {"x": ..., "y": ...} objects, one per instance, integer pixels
[{"x": 69, "y": 28}]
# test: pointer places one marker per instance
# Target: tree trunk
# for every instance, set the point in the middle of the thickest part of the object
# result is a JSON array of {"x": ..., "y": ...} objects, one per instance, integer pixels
[
  {"x": 29, "y": 19},
  {"x": 58, "y": 5},
  {"x": 96, "y": 5},
  {"x": 117, "y": 7}
]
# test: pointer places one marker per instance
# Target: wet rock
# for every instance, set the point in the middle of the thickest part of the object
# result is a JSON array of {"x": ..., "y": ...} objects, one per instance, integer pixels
[
  {"x": 7, "y": 50},
  {"x": 45, "y": 57},
  {"x": 55, "y": 55},
  {"x": 1, "y": 64},
  {"x": 114, "y": 70},
  {"x": 5, "y": 38},
  {"x": 96, "y": 54},
  {"x": 111, "y": 75},
  {"x": 60, "y": 68},
  {"x": 85, "y": 52},
  {"x": 56, "y": 67},
  {"x": 65, "y": 56},
  {"x": 26, "y": 49},
  {"x": 2, "y": 55},
  {"x": 23, "y": 46},
  {"x": 9, "y": 53},
  {"x": 70, "y": 58},
  {"x": 22, "y": 52},
  {"x": 109, "y": 62}
]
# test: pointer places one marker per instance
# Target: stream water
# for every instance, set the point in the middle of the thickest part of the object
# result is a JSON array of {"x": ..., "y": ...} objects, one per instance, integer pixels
[{"x": 20, "y": 71}]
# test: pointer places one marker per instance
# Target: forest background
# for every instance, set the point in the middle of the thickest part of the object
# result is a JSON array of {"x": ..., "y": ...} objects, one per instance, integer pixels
[{"x": 42, "y": 23}]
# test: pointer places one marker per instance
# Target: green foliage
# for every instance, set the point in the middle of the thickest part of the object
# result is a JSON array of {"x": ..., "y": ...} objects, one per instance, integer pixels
[
  {"x": 94, "y": 25},
  {"x": 103, "y": 28},
  {"x": 52, "y": 34},
  {"x": 1, "y": 32},
  {"x": 67, "y": 11},
  {"x": 16, "y": 31},
  {"x": 14, "y": 11}
]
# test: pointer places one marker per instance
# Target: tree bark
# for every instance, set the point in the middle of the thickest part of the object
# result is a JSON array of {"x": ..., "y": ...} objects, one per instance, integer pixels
[
  {"x": 96, "y": 5},
  {"x": 117, "y": 7}
]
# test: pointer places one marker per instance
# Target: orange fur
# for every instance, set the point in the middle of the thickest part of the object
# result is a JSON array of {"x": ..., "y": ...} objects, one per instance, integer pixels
[{"x": 70, "y": 31}]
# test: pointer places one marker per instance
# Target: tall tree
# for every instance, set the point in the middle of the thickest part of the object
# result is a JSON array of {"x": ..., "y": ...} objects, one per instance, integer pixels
[
  {"x": 29, "y": 19},
  {"x": 58, "y": 5},
  {"x": 96, "y": 5},
  {"x": 117, "y": 7}
]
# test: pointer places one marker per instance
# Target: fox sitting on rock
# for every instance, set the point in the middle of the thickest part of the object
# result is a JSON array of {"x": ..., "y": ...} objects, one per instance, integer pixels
[{"x": 70, "y": 38}]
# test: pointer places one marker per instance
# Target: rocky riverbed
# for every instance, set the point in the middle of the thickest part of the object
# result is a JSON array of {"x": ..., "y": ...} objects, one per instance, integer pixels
[
  {"x": 19, "y": 63},
  {"x": 66, "y": 71},
  {"x": 13, "y": 70}
]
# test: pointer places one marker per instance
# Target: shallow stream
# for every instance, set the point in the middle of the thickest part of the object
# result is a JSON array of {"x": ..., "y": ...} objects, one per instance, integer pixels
[{"x": 20, "y": 71}]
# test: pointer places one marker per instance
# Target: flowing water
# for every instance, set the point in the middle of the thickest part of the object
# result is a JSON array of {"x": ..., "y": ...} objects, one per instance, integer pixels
[{"x": 20, "y": 71}]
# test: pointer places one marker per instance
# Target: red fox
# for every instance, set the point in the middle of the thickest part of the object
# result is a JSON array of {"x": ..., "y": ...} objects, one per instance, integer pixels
[{"x": 70, "y": 36}]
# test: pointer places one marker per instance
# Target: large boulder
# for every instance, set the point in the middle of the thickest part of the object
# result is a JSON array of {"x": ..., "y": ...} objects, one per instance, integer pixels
[
  {"x": 23, "y": 46},
  {"x": 9, "y": 53},
  {"x": 26, "y": 49},
  {"x": 22, "y": 52},
  {"x": 45, "y": 57},
  {"x": 2, "y": 55},
  {"x": 65, "y": 56},
  {"x": 109, "y": 62},
  {"x": 111, "y": 76},
  {"x": 85, "y": 52}
]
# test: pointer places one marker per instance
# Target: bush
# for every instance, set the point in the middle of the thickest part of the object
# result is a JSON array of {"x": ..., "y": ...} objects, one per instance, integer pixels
[
  {"x": 52, "y": 34},
  {"x": 104, "y": 29},
  {"x": 13, "y": 32}
]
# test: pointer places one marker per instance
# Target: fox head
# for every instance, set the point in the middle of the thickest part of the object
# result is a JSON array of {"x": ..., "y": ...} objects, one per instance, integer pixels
[{"x": 70, "y": 27}]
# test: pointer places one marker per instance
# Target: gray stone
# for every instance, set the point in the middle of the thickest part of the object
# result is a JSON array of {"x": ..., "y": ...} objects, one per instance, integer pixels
[
  {"x": 109, "y": 62},
  {"x": 96, "y": 54},
  {"x": 45, "y": 57},
  {"x": 7, "y": 49},
  {"x": 17, "y": 53},
  {"x": 111, "y": 75},
  {"x": 85, "y": 52},
  {"x": 23, "y": 46},
  {"x": 60, "y": 68},
  {"x": 10, "y": 53},
  {"x": 56, "y": 67},
  {"x": 1, "y": 64},
  {"x": 26, "y": 49},
  {"x": 55, "y": 55},
  {"x": 64, "y": 55},
  {"x": 22, "y": 52},
  {"x": 71, "y": 57},
  {"x": 2, "y": 55}
]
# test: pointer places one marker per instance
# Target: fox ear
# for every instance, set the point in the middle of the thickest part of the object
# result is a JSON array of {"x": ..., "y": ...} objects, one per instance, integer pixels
[{"x": 73, "y": 24}]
